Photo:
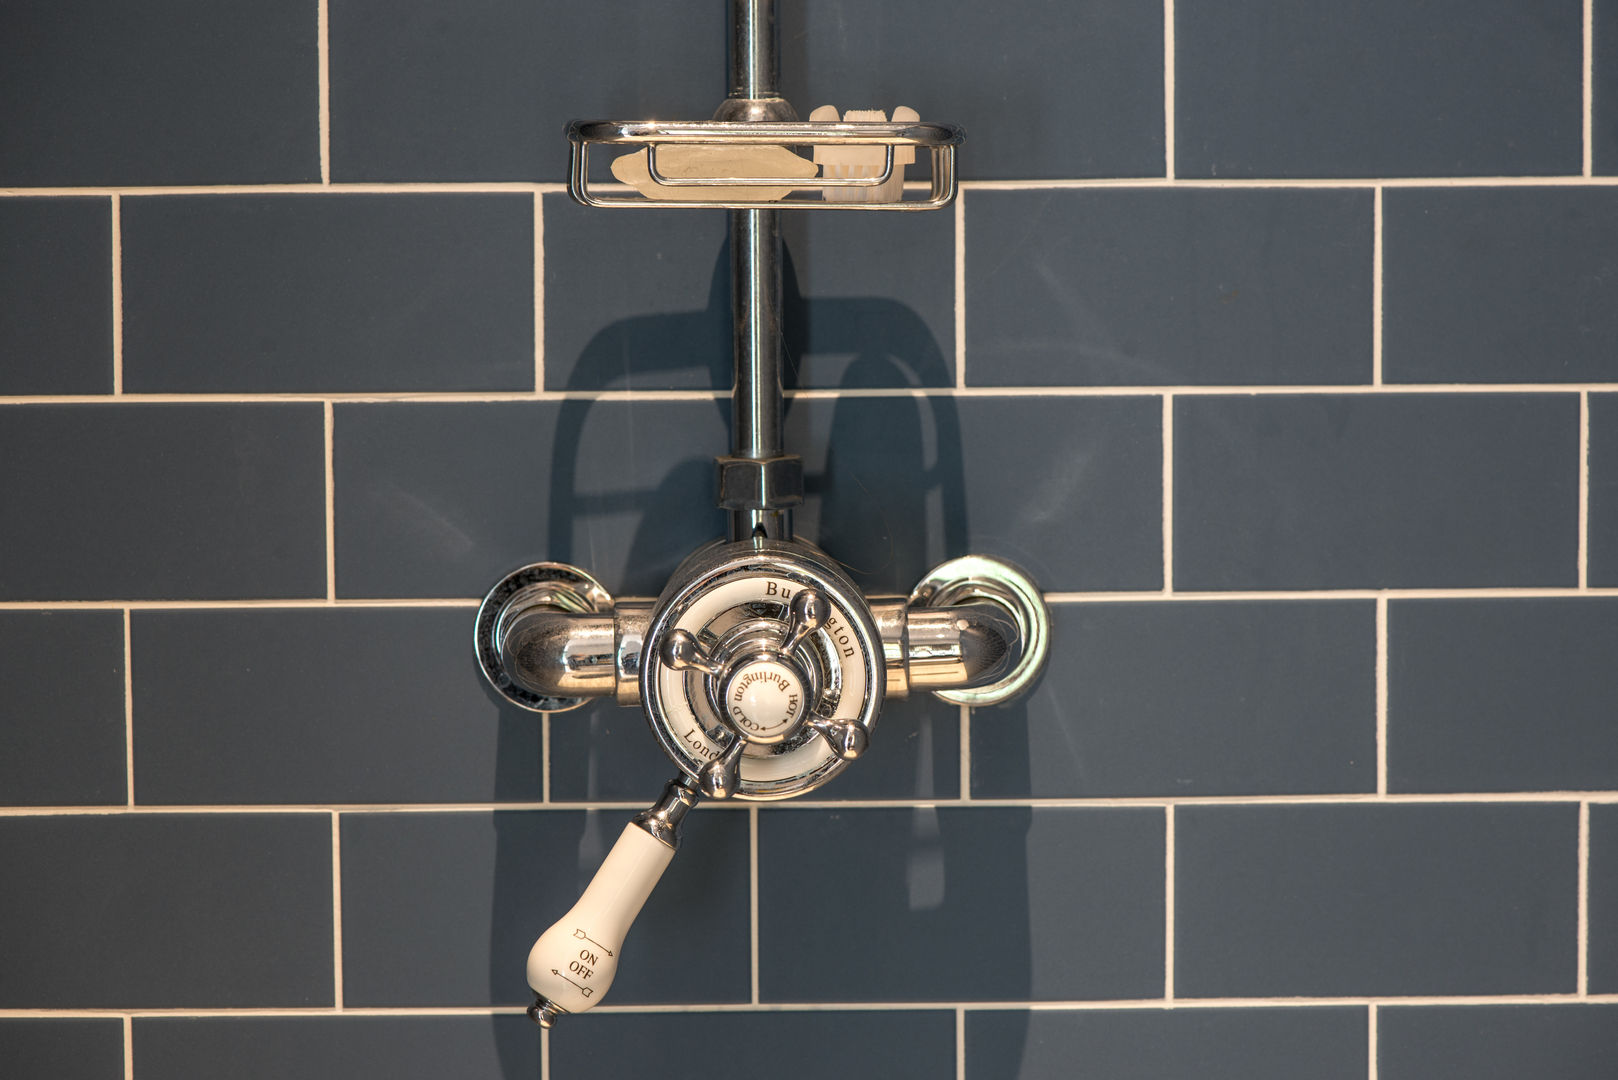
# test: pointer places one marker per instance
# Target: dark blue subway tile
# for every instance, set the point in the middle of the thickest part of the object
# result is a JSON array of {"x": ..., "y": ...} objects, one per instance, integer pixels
[
  {"x": 55, "y": 295},
  {"x": 1603, "y": 463},
  {"x": 1603, "y": 964},
  {"x": 1045, "y": 90},
  {"x": 1499, "y": 285},
  {"x": 166, "y": 911},
  {"x": 353, "y": 1047},
  {"x": 1394, "y": 900},
  {"x": 1168, "y": 287},
  {"x": 1069, "y": 488},
  {"x": 1149, "y": 1044},
  {"x": 1497, "y": 1042},
  {"x": 643, "y": 300},
  {"x": 1375, "y": 491},
  {"x": 482, "y": 91},
  {"x": 896, "y": 485},
  {"x": 604, "y": 753},
  {"x": 960, "y": 904},
  {"x": 161, "y": 502},
  {"x": 1502, "y": 695},
  {"x": 341, "y": 293},
  {"x": 1380, "y": 88},
  {"x": 61, "y": 708},
  {"x": 167, "y": 92},
  {"x": 788, "y": 1045},
  {"x": 327, "y": 706},
  {"x": 422, "y": 90},
  {"x": 915, "y": 754},
  {"x": 1191, "y": 698},
  {"x": 636, "y": 301},
  {"x": 440, "y": 909},
  {"x": 441, "y": 500},
  {"x": 62, "y": 1049}
]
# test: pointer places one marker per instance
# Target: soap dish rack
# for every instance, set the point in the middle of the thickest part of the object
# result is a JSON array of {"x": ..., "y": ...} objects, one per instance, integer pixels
[{"x": 806, "y": 193}]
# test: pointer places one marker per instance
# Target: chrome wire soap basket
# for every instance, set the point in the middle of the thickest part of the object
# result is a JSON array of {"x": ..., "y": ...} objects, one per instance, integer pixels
[{"x": 752, "y": 152}]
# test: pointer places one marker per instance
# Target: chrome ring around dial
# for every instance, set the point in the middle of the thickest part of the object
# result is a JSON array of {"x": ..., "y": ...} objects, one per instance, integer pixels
[{"x": 729, "y": 598}]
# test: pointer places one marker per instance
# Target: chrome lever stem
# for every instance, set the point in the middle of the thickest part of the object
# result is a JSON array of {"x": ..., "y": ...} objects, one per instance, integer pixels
[
  {"x": 682, "y": 651},
  {"x": 808, "y": 614}
]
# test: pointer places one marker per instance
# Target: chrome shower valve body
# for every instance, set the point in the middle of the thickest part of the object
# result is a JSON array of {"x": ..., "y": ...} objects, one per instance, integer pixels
[{"x": 762, "y": 672}]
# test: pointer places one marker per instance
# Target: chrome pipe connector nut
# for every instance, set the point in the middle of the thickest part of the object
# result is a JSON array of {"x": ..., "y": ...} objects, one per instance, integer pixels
[{"x": 774, "y": 483}]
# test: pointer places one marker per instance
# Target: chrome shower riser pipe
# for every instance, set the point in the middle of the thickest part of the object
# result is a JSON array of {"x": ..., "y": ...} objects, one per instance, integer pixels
[
  {"x": 755, "y": 51},
  {"x": 759, "y": 497},
  {"x": 756, "y": 407}
]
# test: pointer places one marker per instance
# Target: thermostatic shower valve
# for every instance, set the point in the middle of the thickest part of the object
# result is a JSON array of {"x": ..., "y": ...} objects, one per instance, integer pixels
[
  {"x": 762, "y": 673},
  {"x": 761, "y": 668}
]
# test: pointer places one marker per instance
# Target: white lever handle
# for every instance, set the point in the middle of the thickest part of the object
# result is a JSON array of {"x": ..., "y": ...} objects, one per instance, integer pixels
[{"x": 572, "y": 964}]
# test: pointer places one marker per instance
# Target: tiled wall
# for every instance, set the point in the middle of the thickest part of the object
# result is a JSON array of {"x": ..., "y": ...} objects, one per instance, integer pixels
[{"x": 1278, "y": 340}]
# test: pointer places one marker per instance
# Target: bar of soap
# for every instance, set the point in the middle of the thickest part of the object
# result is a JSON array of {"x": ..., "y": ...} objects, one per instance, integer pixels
[{"x": 688, "y": 162}]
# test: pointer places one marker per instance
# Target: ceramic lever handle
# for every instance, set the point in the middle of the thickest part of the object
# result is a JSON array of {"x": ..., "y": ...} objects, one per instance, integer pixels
[{"x": 573, "y": 963}]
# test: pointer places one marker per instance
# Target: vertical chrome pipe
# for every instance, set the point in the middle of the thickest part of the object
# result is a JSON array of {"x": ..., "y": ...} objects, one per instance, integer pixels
[
  {"x": 755, "y": 298},
  {"x": 755, "y": 267},
  {"x": 755, "y": 54},
  {"x": 756, "y": 407}
]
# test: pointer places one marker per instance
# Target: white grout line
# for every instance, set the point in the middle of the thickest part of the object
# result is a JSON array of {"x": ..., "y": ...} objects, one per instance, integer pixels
[
  {"x": 129, "y": 1047},
  {"x": 544, "y": 1054},
  {"x": 960, "y": 290},
  {"x": 1589, "y": 87},
  {"x": 539, "y": 293},
  {"x": 752, "y": 896},
  {"x": 1168, "y": 89},
  {"x": 483, "y": 187},
  {"x": 117, "y": 296},
  {"x": 1235, "y": 595},
  {"x": 960, "y": 1044},
  {"x": 1376, "y": 287},
  {"x": 1168, "y": 903},
  {"x": 912, "y": 392},
  {"x": 1126, "y": 802},
  {"x": 225, "y": 605},
  {"x": 1583, "y": 980},
  {"x": 282, "y": 1012},
  {"x": 1120, "y": 183},
  {"x": 1584, "y": 491},
  {"x": 337, "y": 910},
  {"x": 1371, "y": 1052},
  {"x": 1123, "y": 597},
  {"x": 1168, "y": 494},
  {"x": 480, "y": 187},
  {"x": 1073, "y": 1005},
  {"x": 331, "y": 507},
  {"x": 1382, "y": 695},
  {"x": 129, "y": 717},
  {"x": 323, "y": 35},
  {"x": 966, "y": 753}
]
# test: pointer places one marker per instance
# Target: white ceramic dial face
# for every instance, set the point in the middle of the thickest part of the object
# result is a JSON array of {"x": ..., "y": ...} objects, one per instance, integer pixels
[
  {"x": 764, "y": 698},
  {"x": 838, "y": 637}
]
